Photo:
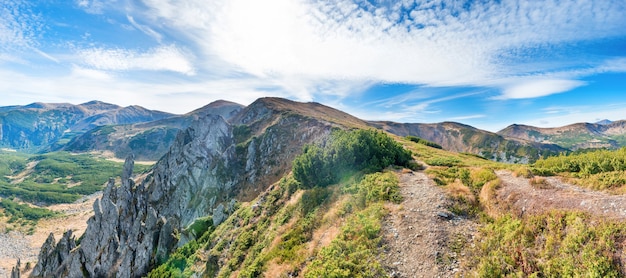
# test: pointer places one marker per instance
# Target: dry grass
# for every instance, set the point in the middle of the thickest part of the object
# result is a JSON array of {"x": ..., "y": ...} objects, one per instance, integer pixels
[
  {"x": 522, "y": 171},
  {"x": 331, "y": 221},
  {"x": 540, "y": 183},
  {"x": 458, "y": 190},
  {"x": 488, "y": 198},
  {"x": 277, "y": 269}
]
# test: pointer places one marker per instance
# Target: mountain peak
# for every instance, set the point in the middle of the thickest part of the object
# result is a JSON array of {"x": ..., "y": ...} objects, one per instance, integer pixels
[
  {"x": 221, "y": 107},
  {"x": 270, "y": 105},
  {"x": 604, "y": 122}
]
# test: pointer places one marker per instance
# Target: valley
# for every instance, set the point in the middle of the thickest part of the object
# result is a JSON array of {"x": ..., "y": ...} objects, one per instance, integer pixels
[{"x": 282, "y": 188}]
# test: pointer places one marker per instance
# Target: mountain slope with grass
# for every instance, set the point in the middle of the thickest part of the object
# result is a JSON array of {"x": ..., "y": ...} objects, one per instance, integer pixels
[
  {"x": 210, "y": 167},
  {"x": 288, "y": 189},
  {"x": 611, "y": 135},
  {"x": 458, "y": 137}
]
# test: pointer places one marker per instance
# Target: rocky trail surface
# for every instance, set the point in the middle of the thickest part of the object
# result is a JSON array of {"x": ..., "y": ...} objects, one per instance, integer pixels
[
  {"x": 519, "y": 196},
  {"x": 420, "y": 235}
]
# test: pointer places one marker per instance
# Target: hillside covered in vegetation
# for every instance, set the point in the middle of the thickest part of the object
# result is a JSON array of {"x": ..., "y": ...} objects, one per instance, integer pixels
[{"x": 288, "y": 189}]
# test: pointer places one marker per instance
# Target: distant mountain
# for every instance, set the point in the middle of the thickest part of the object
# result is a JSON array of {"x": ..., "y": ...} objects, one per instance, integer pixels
[
  {"x": 147, "y": 140},
  {"x": 575, "y": 136},
  {"x": 122, "y": 115},
  {"x": 39, "y": 126},
  {"x": 463, "y": 138},
  {"x": 604, "y": 122}
]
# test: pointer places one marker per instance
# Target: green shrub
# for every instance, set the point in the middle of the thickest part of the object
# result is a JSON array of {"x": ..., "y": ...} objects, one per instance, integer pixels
[
  {"x": 443, "y": 161},
  {"x": 423, "y": 142},
  {"x": 346, "y": 152},
  {"x": 352, "y": 253},
  {"x": 200, "y": 226},
  {"x": 381, "y": 187},
  {"x": 313, "y": 198},
  {"x": 555, "y": 244},
  {"x": 24, "y": 211}
]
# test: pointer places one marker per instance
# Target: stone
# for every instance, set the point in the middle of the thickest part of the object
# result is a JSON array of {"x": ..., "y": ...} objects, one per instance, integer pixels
[
  {"x": 197, "y": 177},
  {"x": 218, "y": 215},
  {"x": 445, "y": 215},
  {"x": 15, "y": 271}
]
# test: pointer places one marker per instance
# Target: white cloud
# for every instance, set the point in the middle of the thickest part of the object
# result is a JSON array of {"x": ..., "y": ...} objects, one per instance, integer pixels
[
  {"x": 312, "y": 49},
  {"x": 80, "y": 72},
  {"x": 468, "y": 117},
  {"x": 397, "y": 42},
  {"x": 539, "y": 88},
  {"x": 19, "y": 26},
  {"x": 579, "y": 114},
  {"x": 163, "y": 58},
  {"x": 93, "y": 6},
  {"x": 145, "y": 29}
]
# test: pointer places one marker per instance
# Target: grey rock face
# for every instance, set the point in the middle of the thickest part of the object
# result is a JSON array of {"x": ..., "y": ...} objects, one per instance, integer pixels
[
  {"x": 52, "y": 257},
  {"x": 136, "y": 226}
]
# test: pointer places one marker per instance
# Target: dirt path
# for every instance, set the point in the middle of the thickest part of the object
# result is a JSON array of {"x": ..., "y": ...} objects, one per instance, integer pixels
[
  {"x": 521, "y": 197},
  {"x": 420, "y": 235}
]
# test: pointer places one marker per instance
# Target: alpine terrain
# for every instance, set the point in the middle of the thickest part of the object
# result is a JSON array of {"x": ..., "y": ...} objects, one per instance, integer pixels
[{"x": 288, "y": 189}]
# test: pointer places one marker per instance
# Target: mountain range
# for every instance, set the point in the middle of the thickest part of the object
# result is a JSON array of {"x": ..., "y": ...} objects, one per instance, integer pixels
[
  {"x": 577, "y": 136},
  {"x": 229, "y": 164},
  {"x": 102, "y": 127}
]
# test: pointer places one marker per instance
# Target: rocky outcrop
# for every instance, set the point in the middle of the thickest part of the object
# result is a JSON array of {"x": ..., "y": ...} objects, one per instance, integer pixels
[
  {"x": 15, "y": 271},
  {"x": 140, "y": 222},
  {"x": 135, "y": 226},
  {"x": 53, "y": 255}
]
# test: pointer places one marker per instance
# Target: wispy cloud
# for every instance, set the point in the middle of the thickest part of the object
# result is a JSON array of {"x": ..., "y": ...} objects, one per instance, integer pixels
[
  {"x": 323, "y": 50},
  {"x": 468, "y": 117},
  {"x": 19, "y": 26},
  {"x": 164, "y": 58},
  {"x": 539, "y": 88},
  {"x": 93, "y": 6},
  {"x": 443, "y": 44},
  {"x": 145, "y": 29},
  {"x": 579, "y": 114}
]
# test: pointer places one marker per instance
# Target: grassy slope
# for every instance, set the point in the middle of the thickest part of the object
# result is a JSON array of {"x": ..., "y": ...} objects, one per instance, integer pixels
[
  {"x": 553, "y": 244},
  {"x": 335, "y": 231}
]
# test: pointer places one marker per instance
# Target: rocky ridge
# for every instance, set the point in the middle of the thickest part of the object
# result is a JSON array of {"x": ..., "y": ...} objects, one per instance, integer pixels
[
  {"x": 137, "y": 224},
  {"x": 145, "y": 140},
  {"x": 605, "y": 134},
  {"x": 40, "y": 126},
  {"x": 458, "y": 137}
]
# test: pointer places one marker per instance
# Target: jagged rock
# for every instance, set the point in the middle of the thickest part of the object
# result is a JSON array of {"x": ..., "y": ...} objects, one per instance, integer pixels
[
  {"x": 53, "y": 256},
  {"x": 138, "y": 224},
  {"x": 15, "y": 271},
  {"x": 218, "y": 215}
]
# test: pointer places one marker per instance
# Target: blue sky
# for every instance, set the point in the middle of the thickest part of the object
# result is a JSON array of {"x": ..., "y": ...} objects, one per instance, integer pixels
[{"x": 484, "y": 63}]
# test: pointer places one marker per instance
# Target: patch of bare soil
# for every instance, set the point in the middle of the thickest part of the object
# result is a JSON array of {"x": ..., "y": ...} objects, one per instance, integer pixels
[
  {"x": 24, "y": 174},
  {"x": 421, "y": 237},
  {"x": 17, "y": 244},
  {"x": 519, "y": 196},
  {"x": 110, "y": 156}
]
